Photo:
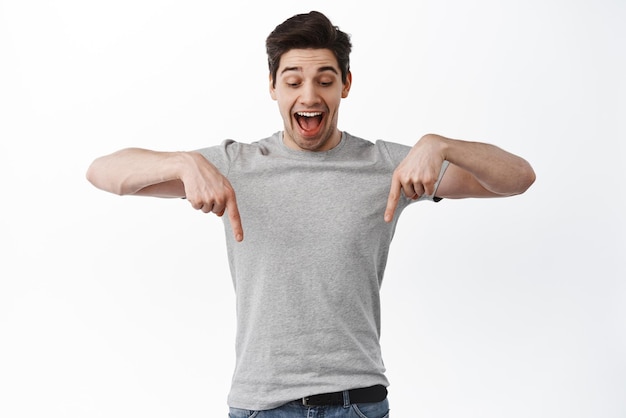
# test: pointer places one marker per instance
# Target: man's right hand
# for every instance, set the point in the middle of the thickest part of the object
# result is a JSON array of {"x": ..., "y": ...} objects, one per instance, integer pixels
[
  {"x": 209, "y": 191},
  {"x": 136, "y": 171}
]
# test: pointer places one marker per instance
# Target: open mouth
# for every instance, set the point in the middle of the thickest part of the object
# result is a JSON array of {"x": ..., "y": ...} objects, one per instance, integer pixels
[{"x": 309, "y": 122}]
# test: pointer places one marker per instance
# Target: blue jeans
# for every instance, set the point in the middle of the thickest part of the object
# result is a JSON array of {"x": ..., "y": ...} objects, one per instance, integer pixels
[{"x": 297, "y": 410}]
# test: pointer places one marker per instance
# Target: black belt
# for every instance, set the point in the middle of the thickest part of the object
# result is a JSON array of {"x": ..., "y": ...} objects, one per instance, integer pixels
[{"x": 371, "y": 394}]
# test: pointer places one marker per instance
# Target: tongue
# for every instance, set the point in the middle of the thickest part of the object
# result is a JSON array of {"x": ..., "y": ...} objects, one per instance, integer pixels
[{"x": 309, "y": 124}]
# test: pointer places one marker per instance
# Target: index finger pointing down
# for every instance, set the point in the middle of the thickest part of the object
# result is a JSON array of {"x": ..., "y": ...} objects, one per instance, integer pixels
[
  {"x": 393, "y": 199},
  {"x": 234, "y": 218}
]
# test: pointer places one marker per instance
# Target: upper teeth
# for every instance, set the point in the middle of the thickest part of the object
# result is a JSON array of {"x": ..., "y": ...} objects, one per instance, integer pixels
[{"x": 309, "y": 114}]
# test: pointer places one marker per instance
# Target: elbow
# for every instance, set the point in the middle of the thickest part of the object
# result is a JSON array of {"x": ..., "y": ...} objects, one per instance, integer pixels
[
  {"x": 525, "y": 178},
  {"x": 91, "y": 174},
  {"x": 528, "y": 176},
  {"x": 517, "y": 181},
  {"x": 96, "y": 175}
]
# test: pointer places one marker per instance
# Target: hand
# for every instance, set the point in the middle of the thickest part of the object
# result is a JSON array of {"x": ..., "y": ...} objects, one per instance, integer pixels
[
  {"x": 209, "y": 191},
  {"x": 417, "y": 174}
]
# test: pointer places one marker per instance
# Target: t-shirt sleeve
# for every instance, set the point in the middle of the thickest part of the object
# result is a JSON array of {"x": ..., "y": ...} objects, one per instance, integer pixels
[{"x": 221, "y": 156}]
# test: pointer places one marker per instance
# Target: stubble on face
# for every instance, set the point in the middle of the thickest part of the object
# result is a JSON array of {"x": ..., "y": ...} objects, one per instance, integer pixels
[{"x": 308, "y": 90}]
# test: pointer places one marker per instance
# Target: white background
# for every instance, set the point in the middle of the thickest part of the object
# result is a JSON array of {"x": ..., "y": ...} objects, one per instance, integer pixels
[{"x": 123, "y": 307}]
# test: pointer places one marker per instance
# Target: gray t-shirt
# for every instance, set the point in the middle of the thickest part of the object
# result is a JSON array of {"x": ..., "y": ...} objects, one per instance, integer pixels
[{"x": 308, "y": 273}]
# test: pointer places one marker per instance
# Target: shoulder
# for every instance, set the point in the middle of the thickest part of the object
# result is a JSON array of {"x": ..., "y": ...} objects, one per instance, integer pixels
[
  {"x": 230, "y": 148},
  {"x": 391, "y": 151},
  {"x": 224, "y": 155},
  {"x": 395, "y": 150}
]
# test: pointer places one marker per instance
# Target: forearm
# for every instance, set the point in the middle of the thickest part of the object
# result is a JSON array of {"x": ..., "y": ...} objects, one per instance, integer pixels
[
  {"x": 495, "y": 169},
  {"x": 130, "y": 170}
]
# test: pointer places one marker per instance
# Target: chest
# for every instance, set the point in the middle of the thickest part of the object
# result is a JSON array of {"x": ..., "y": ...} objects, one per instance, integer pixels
[{"x": 310, "y": 201}]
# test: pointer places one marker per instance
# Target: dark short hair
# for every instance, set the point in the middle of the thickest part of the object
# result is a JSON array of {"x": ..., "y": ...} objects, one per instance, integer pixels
[{"x": 304, "y": 31}]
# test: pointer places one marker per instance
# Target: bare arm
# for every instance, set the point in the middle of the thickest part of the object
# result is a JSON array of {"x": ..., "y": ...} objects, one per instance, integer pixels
[
  {"x": 135, "y": 171},
  {"x": 476, "y": 170}
]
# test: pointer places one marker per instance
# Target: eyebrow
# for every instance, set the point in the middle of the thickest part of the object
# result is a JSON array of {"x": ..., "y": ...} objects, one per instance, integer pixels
[{"x": 319, "y": 70}]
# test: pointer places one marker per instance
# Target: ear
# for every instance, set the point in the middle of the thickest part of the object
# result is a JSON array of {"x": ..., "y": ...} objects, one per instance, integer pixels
[
  {"x": 272, "y": 88},
  {"x": 347, "y": 85}
]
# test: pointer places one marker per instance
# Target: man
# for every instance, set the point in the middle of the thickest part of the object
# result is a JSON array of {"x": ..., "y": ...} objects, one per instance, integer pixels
[{"x": 319, "y": 208}]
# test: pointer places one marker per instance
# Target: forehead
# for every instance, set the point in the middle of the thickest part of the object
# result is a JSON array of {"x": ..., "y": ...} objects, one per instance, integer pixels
[{"x": 307, "y": 60}]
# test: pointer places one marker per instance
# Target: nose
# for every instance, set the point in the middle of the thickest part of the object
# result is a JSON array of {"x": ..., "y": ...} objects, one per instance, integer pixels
[{"x": 309, "y": 95}]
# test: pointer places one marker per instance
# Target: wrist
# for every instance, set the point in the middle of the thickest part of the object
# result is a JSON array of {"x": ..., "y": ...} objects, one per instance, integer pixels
[
  {"x": 182, "y": 162},
  {"x": 439, "y": 144}
]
